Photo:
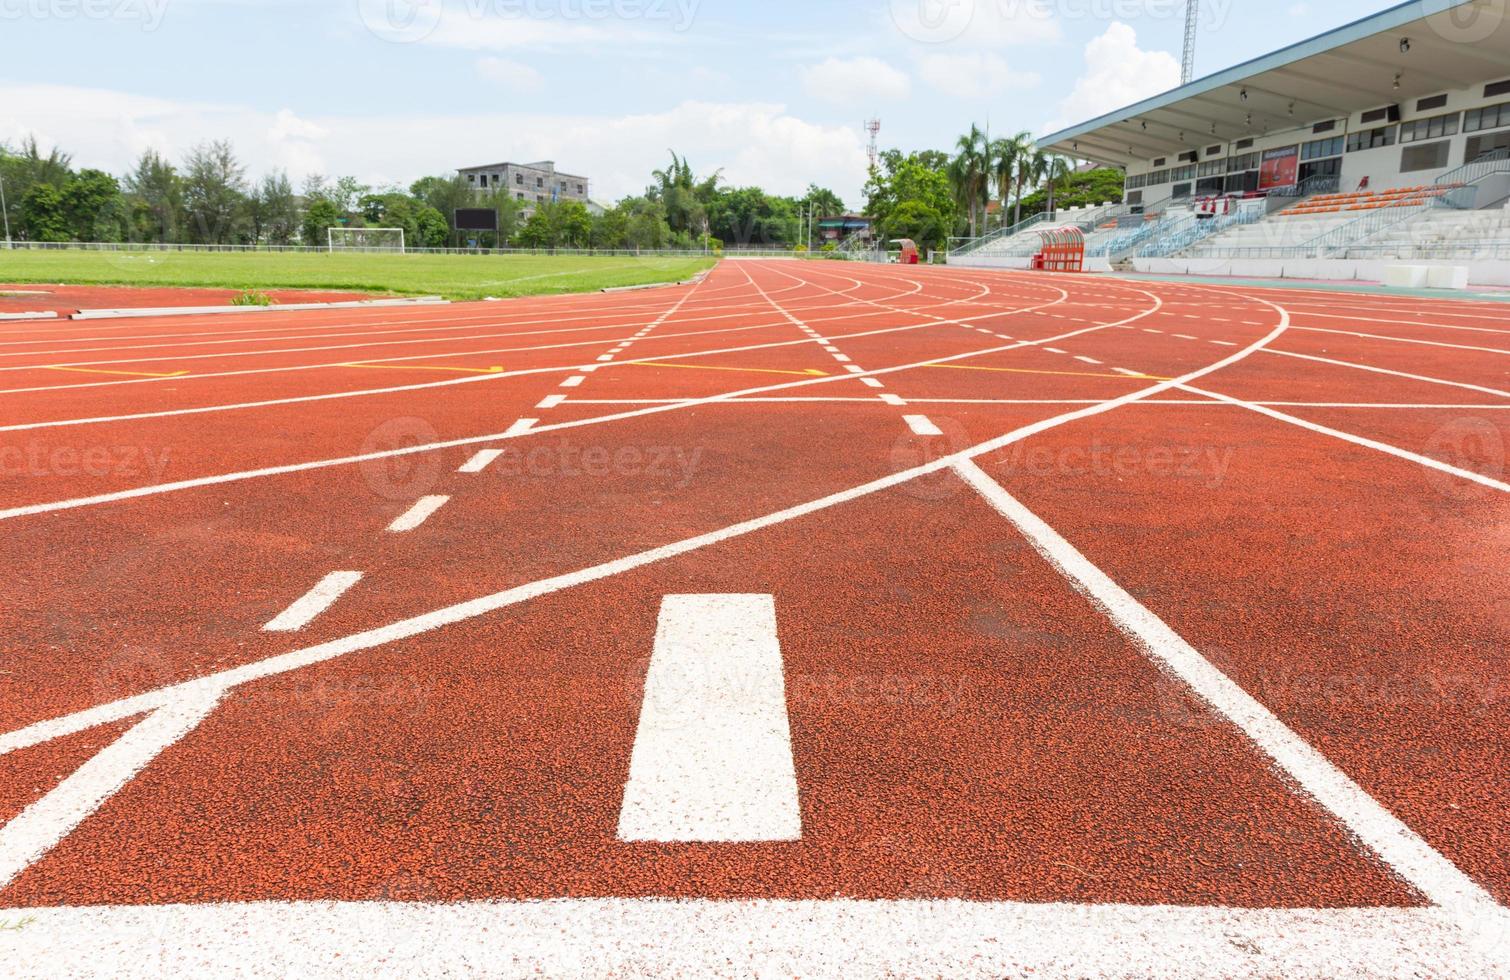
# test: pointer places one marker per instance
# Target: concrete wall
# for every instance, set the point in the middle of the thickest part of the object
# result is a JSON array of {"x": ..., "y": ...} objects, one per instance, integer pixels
[{"x": 1481, "y": 272}]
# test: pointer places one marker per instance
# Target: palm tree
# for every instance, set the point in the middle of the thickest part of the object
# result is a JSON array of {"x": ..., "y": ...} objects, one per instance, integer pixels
[
  {"x": 1004, "y": 154},
  {"x": 969, "y": 172},
  {"x": 1056, "y": 168},
  {"x": 1029, "y": 170}
]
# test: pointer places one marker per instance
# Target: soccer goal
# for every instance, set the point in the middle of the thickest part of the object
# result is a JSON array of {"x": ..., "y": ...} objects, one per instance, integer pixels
[{"x": 365, "y": 239}]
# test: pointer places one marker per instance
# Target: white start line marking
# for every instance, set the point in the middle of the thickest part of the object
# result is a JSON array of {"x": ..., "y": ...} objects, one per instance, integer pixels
[{"x": 712, "y": 759}]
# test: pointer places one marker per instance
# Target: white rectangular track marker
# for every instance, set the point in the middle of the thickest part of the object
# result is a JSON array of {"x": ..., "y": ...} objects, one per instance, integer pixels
[
  {"x": 418, "y": 514},
  {"x": 481, "y": 461},
  {"x": 314, "y": 602},
  {"x": 712, "y": 758},
  {"x": 520, "y": 427},
  {"x": 922, "y": 425}
]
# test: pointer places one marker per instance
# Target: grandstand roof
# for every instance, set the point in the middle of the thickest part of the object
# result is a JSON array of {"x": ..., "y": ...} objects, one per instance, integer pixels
[{"x": 1453, "y": 44}]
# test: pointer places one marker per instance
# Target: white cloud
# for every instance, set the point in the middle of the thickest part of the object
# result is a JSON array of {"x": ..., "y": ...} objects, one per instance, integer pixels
[
  {"x": 973, "y": 75},
  {"x": 755, "y": 143},
  {"x": 1118, "y": 73},
  {"x": 855, "y": 80},
  {"x": 510, "y": 74},
  {"x": 1299, "y": 10},
  {"x": 975, "y": 23}
]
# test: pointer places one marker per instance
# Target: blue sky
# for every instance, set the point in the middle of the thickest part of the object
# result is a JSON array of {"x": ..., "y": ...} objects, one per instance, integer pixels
[{"x": 773, "y": 93}]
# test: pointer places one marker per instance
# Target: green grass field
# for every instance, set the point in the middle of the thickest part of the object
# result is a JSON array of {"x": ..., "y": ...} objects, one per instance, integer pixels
[{"x": 458, "y": 277}]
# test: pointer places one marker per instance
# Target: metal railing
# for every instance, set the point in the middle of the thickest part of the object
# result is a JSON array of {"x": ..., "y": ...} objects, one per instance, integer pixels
[
  {"x": 1187, "y": 232},
  {"x": 969, "y": 245},
  {"x": 1085, "y": 220}
]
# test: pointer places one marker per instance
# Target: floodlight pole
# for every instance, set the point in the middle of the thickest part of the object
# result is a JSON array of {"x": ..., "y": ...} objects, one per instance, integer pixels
[{"x": 5, "y": 211}]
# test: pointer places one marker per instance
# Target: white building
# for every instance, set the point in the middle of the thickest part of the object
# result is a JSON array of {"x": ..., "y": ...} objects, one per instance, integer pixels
[{"x": 529, "y": 183}]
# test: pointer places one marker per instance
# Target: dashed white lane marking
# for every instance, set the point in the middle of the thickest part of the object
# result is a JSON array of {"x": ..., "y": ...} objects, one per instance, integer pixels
[
  {"x": 1224, "y": 343},
  {"x": 481, "y": 461},
  {"x": 872, "y": 382},
  {"x": 314, "y": 602},
  {"x": 1054, "y": 350},
  {"x": 712, "y": 758},
  {"x": 832, "y": 350},
  {"x": 418, "y": 514},
  {"x": 551, "y": 401},
  {"x": 521, "y": 427},
  {"x": 1129, "y": 372},
  {"x": 854, "y": 369},
  {"x": 1378, "y": 829},
  {"x": 895, "y": 400},
  {"x": 1087, "y": 360},
  {"x": 1186, "y": 336},
  {"x": 921, "y": 425},
  {"x": 1151, "y": 330},
  {"x": 605, "y": 358},
  {"x": 842, "y": 358},
  {"x": 574, "y": 381},
  {"x": 38, "y": 829}
]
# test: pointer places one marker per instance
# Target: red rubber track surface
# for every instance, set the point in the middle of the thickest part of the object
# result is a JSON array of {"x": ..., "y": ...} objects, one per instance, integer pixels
[{"x": 965, "y": 723}]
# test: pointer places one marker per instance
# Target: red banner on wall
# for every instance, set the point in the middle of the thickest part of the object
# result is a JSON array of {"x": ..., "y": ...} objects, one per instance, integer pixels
[{"x": 1279, "y": 168}]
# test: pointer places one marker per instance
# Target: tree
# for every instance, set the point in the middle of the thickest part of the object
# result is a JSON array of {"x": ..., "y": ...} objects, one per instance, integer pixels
[
  {"x": 319, "y": 217},
  {"x": 969, "y": 172},
  {"x": 154, "y": 198},
  {"x": 1007, "y": 155},
  {"x": 915, "y": 220},
  {"x": 1056, "y": 169},
  {"x": 214, "y": 192},
  {"x": 908, "y": 180},
  {"x": 43, "y": 218},
  {"x": 558, "y": 224},
  {"x": 274, "y": 210},
  {"x": 92, "y": 207},
  {"x": 1077, "y": 190},
  {"x": 824, "y": 202}
]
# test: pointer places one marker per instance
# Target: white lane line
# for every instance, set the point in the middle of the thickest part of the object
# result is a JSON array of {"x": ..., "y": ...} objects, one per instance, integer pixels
[
  {"x": 520, "y": 427},
  {"x": 1151, "y": 330},
  {"x": 921, "y": 425},
  {"x": 605, "y": 358},
  {"x": 1382, "y": 447},
  {"x": 712, "y": 759},
  {"x": 1130, "y": 372},
  {"x": 1397, "y": 374},
  {"x": 313, "y": 603},
  {"x": 1224, "y": 343},
  {"x": 855, "y": 369},
  {"x": 39, "y": 828},
  {"x": 481, "y": 461},
  {"x": 1086, "y": 360},
  {"x": 842, "y": 358},
  {"x": 1054, "y": 350},
  {"x": 896, "y": 400},
  {"x": 622, "y": 937},
  {"x": 551, "y": 401},
  {"x": 574, "y": 381},
  {"x": 872, "y": 382},
  {"x": 1406, "y": 340},
  {"x": 1378, "y": 829},
  {"x": 418, "y": 514}
]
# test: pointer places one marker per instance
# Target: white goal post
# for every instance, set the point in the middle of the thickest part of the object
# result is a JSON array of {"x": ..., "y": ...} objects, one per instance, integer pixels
[{"x": 365, "y": 239}]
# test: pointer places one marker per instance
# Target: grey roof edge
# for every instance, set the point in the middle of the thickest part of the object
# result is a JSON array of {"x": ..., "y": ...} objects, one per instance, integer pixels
[{"x": 1385, "y": 20}]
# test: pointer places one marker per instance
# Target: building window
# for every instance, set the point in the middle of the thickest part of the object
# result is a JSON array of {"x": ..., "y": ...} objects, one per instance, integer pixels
[
  {"x": 471, "y": 178},
  {"x": 1479, "y": 146},
  {"x": 1370, "y": 139},
  {"x": 1429, "y": 129},
  {"x": 1324, "y": 127},
  {"x": 1248, "y": 161},
  {"x": 539, "y": 181},
  {"x": 1489, "y": 117},
  {"x": 1180, "y": 191},
  {"x": 1243, "y": 145},
  {"x": 519, "y": 179},
  {"x": 1429, "y": 156},
  {"x": 581, "y": 189},
  {"x": 1213, "y": 168},
  {"x": 1317, "y": 149},
  {"x": 1496, "y": 88},
  {"x": 1434, "y": 102},
  {"x": 1160, "y": 161}
]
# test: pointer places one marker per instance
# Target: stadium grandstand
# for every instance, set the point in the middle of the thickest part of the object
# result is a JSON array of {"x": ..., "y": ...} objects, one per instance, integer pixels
[{"x": 1383, "y": 142}]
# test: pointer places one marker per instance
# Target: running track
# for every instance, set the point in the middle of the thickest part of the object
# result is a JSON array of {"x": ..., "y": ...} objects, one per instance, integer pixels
[{"x": 815, "y": 619}]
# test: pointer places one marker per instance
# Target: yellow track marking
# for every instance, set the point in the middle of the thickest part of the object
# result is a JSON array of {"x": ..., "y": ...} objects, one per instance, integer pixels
[
  {"x": 809, "y": 373},
  {"x": 1068, "y": 374},
  {"x": 128, "y": 374},
  {"x": 427, "y": 367}
]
